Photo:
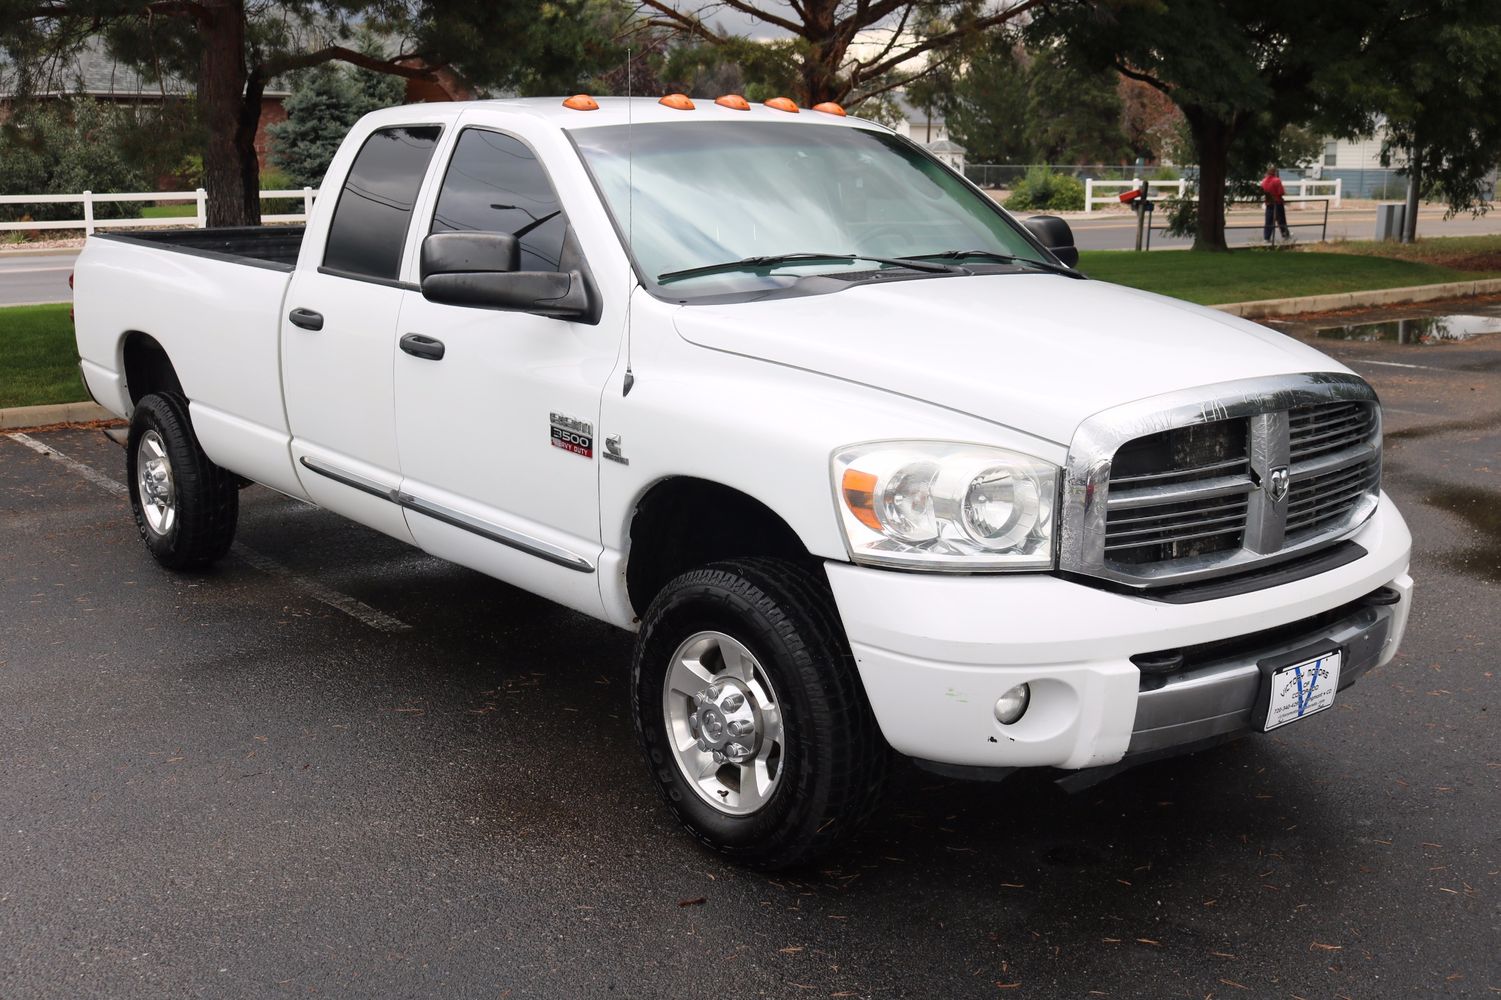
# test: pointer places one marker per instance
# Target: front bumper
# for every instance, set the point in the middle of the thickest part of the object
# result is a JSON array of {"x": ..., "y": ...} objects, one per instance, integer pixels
[{"x": 935, "y": 651}]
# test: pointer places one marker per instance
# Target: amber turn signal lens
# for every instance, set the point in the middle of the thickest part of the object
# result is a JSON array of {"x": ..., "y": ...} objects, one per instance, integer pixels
[
  {"x": 678, "y": 102},
  {"x": 829, "y": 108},
  {"x": 782, "y": 104},
  {"x": 859, "y": 490},
  {"x": 734, "y": 102},
  {"x": 581, "y": 102}
]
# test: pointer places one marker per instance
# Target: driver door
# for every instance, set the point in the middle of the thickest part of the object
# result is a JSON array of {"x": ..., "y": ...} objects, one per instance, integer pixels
[{"x": 495, "y": 425}]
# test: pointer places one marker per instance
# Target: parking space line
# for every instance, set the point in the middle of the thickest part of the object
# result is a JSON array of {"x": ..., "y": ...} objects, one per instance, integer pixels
[
  {"x": 356, "y": 609},
  {"x": 1395, "y": 364}
]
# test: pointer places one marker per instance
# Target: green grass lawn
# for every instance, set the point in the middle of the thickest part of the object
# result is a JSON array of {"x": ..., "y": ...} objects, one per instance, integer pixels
[
  {"x": 38, "y": 358},
  {"x": 171, "y": 210},
  {"x": 1248, "y": 275}
]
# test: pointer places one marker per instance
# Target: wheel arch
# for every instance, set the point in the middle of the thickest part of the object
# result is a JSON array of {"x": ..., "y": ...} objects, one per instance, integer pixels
[
  {"x": 147, "y": 366},
  {"x": 722, "y": 522}
]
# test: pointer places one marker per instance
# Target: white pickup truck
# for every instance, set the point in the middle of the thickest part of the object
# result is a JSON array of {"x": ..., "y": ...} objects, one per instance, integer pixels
[{"x": 863, "y": 460}]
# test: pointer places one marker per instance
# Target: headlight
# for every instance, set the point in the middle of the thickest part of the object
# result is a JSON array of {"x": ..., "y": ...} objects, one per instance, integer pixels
[{"x": 933, "y": 505}]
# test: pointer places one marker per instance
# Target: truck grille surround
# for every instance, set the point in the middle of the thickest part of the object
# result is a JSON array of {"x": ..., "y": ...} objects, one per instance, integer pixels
[{"x": 1214, "y": 481}]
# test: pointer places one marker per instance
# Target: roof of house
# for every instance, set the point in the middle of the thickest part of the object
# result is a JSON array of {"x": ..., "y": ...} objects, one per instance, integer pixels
[
  {"x": 914, "y": 114},
  {"x": 94, "y": 72},
  {"x": 944, "y": 146}
]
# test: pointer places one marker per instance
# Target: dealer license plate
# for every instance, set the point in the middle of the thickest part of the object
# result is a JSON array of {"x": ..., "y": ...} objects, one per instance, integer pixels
[{"x": 1302, "y": 689}]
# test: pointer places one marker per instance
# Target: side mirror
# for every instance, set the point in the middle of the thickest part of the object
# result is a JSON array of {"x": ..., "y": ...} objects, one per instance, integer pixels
[
  {"x": 1054, "y": 234},
  {"x": 481, "y": 269},
  {"x": 467, "y": 253}
]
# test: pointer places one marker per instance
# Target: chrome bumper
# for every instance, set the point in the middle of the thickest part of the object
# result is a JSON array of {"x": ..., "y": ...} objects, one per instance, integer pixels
[{"x": 1215, "y": 695}]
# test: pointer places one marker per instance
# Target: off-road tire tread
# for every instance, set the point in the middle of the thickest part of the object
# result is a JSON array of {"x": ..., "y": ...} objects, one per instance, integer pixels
[
  {"x": 208, "y": 497},
  {"x": 835, "y": 793}
]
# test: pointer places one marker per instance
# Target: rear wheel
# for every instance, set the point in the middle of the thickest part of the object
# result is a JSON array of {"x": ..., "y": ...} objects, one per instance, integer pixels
[
  {"x": 185, "y": 506},
  {"x": 750, "y": 710}
]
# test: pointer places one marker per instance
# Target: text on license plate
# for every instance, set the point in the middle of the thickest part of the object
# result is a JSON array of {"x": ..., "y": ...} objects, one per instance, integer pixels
[{"x": 1302, "y": 689}]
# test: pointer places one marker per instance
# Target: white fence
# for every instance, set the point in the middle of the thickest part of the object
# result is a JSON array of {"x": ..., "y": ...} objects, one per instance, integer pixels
[
  {"x": 1307, "y": 190},
  {"x": 89, "y": 199}
]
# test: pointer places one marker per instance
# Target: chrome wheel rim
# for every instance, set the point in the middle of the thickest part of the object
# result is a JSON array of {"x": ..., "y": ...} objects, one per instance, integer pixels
[
  {"x": 724, "y": 723},
  {"x": 154, "y": 483}
]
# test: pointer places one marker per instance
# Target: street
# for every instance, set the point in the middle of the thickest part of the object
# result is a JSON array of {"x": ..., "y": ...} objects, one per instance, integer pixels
[
  {"x": 336, "y": 766},
  {"x": 29, "y": 278},
  {"x": 44, "y": 277},
  {"x": 1117, "y": 230}
]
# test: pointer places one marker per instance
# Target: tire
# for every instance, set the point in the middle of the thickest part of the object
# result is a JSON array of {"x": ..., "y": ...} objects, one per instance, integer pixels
[
  {"x": 819, "y": 761},
  {"x": 185, "y": 506}
]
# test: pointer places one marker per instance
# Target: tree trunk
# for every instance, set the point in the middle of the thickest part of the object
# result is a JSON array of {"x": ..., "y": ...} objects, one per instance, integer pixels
[
  {"x": 1211, "y": 137},
  {"x": 823, "y": 55},
  {"x": 221, "y": 92},
  {"x": 250, "y": 163},
  {"x": 1414, "y": 185}
]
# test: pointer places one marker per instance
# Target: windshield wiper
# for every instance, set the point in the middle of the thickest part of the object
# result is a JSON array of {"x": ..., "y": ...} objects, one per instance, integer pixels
[
  {"x": 1006, "y": 258},
  {"x": 774, "y": 260}
]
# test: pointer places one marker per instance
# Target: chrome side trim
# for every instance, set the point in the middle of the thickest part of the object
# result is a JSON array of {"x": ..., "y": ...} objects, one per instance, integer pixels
[
  {"x": 1086, "y": 476},
  {"x": 520, "y": 541},
  {"x": 350, "y": 479},
  {"x": 495, "y": 533}
]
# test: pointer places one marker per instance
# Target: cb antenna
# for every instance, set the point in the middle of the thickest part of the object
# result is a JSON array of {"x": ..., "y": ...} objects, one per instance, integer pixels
[{"x": 630, "y": 215}]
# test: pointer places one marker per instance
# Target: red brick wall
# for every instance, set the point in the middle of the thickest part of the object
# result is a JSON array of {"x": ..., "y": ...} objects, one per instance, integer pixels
[{"x": 271, "y": 113}]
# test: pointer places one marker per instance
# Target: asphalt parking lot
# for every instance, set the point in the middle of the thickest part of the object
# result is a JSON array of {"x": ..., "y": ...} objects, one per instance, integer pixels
[{"x": 334, "y": 766}]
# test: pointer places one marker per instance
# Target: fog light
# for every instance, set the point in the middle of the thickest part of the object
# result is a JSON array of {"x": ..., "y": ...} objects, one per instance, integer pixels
[{"x": 1013, "y": 704}]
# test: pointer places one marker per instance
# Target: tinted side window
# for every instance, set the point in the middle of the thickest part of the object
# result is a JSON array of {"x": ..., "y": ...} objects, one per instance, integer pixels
[
  {"x": 370, "y": 221},
  {"x": 494, "y": 184}
]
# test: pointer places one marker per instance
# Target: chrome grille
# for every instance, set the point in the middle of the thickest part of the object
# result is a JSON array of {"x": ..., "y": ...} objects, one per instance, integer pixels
[
  {"x": 1327, "y": 428},
  {"x": 1177, "y": 493},
  {"x": 1260, "y": 470},
  {"x": 1327, "y": 497}
]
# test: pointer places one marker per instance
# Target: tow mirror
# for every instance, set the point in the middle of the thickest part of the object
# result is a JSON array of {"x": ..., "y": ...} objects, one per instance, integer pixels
[
  {"x": 1053, "y": 233},
  {"x": 482, "y": 269},
  {"x": 470, "y": 253}
]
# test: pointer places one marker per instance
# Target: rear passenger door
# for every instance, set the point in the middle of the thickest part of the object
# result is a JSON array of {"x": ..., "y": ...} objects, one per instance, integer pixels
[
  {"x": 497, "y": 436},
  {"x": 339, "y": 332}
]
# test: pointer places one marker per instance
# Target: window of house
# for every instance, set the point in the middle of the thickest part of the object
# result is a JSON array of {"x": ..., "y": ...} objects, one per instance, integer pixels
[
  {"x": 494, "y": 184},
  {"x": 369, "y": 227},
  {"x": 1331, "y": 153}
]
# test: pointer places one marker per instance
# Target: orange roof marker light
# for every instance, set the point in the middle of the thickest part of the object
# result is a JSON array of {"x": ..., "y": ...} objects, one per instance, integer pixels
[
  {"x": 733, "y": 101},
  {"x": 782, "y": 104},
  {"x": 829, "y": 108},
  {"x": 581, "y": 102},
  {"x": 678, "y": 102}
]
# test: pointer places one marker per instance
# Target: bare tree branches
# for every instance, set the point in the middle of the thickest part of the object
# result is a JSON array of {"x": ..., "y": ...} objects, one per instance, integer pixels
[{"x": 826, "y": 30}]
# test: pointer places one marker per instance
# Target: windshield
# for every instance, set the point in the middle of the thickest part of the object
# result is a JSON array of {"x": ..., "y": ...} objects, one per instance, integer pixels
[{"x": 751, "y": 195}]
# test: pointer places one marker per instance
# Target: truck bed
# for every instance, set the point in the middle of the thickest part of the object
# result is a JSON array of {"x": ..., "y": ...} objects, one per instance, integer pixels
[{"x": 259, "y": 246}]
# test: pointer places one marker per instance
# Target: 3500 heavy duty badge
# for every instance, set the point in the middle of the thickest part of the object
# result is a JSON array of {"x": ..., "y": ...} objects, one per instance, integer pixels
[{"x": 572, "y": 435}]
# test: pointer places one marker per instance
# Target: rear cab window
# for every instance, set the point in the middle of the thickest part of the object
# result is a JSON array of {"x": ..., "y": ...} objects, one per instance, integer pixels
[{"x": 369, "y": 227}]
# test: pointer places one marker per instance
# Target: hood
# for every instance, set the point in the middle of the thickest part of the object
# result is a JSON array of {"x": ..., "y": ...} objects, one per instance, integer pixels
[{"x": 1035, "y": 352}]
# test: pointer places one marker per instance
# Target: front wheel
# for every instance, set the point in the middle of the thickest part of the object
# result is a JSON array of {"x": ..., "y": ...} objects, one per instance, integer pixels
[
  {"x": 185, "y": 506},
  {"x": 750, "y": 711}
]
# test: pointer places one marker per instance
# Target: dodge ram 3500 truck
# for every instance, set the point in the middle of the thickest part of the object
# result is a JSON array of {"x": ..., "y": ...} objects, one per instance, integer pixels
[{"x": 863, "y": 460}]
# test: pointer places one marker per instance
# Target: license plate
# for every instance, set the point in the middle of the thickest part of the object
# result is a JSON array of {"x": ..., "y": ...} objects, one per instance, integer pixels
[{"x": 1302, "y": 689}]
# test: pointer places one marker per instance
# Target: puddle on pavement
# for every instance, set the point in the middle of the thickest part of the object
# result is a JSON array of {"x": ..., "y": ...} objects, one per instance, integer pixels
[
  {"x": 1417, "y": 330},
  {"x": 1481, "y": 509}
]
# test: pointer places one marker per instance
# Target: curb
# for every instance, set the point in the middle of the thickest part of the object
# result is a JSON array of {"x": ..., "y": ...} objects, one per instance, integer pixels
[
  {"x": 1264, "y": 308},
  {"x": 42, "y": 252},
  {"x": 22, "y": 417}
]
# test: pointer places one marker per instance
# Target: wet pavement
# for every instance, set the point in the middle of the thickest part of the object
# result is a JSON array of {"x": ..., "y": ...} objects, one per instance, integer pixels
[{"x": 334, "y": 766}]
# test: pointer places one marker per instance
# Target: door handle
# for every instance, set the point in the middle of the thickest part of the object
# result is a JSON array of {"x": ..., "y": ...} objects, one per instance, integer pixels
[
  {"x": 419, "y": 346},
  {"x": 306, "y": 319}
]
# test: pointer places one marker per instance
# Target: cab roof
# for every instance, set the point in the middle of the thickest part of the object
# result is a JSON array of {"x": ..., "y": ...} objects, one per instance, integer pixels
[{"x": 644, "y": 110}]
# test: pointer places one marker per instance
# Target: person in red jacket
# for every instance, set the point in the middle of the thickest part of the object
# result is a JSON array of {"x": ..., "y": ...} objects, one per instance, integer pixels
[{"x": 1276, "y": 208}]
